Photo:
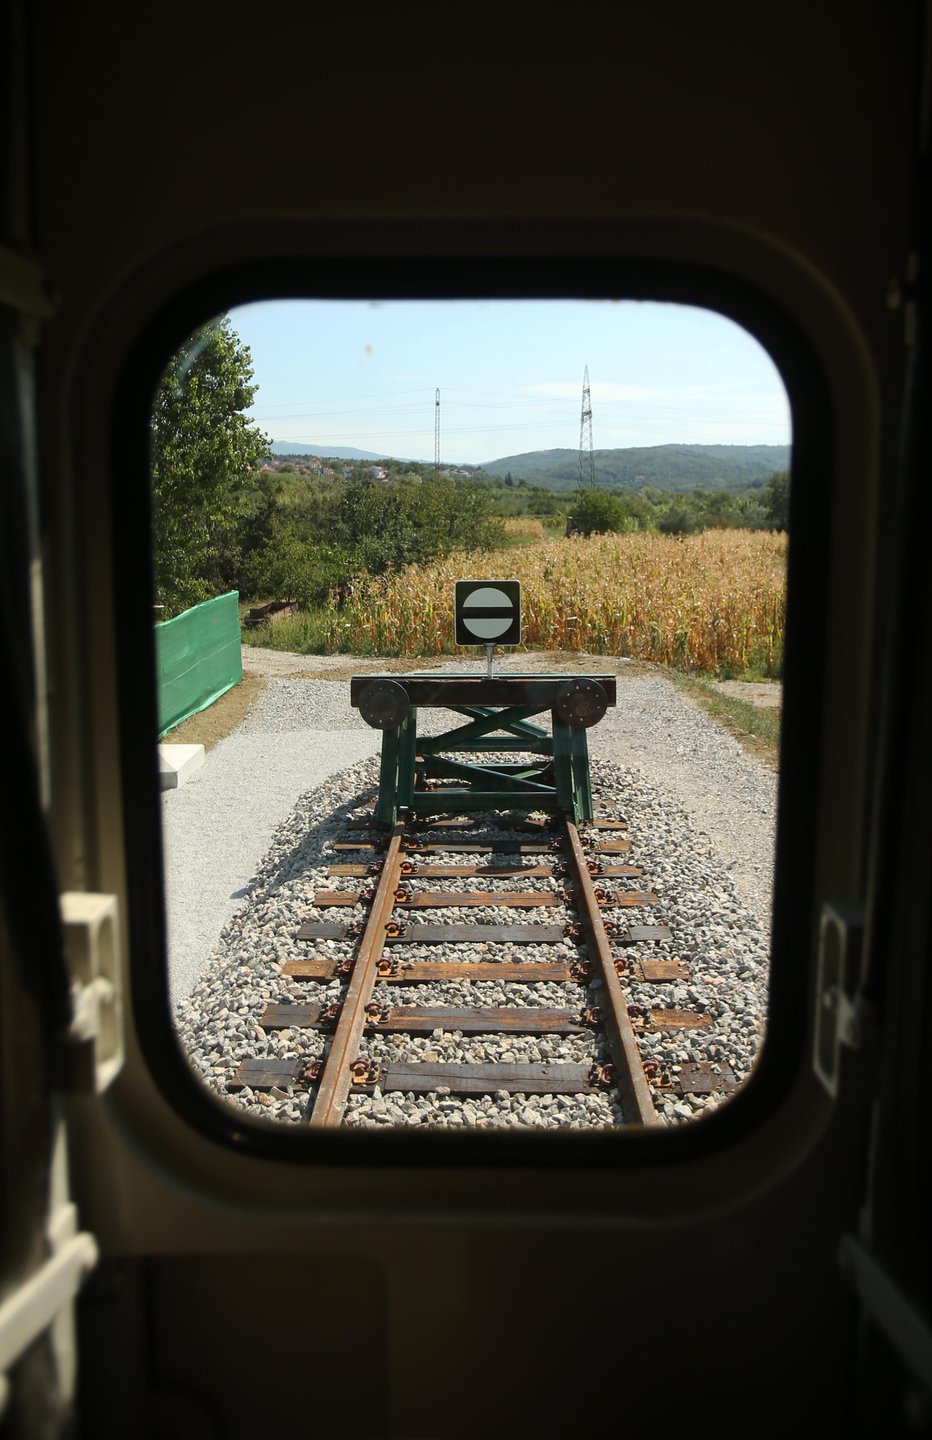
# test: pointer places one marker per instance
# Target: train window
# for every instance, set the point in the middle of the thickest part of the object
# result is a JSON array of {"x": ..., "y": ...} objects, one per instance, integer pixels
[{"x": 415, "y": 885}]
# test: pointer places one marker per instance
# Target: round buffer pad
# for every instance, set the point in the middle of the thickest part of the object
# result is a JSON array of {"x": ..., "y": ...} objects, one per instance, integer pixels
[
  {"x": 581, "y": 703},
  {"x": 383, "y": 704}
]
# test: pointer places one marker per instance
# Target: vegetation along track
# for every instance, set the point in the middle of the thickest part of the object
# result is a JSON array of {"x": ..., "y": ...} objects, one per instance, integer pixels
[{"x": 443, "y": 928}]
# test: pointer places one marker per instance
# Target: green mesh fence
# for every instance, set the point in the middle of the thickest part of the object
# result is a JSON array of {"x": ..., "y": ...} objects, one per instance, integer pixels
[{"x": 198, "y": 657}]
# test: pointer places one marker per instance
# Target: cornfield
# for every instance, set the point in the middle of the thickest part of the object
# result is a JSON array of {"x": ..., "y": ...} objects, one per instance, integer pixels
[
  {"x": 711, "y": 602},
  {"x": 523, "y": 527}
]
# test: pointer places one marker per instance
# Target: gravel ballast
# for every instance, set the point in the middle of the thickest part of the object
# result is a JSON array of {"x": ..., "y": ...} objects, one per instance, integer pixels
[{"x": 247, "y": 847}]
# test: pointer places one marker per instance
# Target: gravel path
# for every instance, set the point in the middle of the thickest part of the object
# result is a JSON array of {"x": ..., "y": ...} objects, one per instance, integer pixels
[
  {"x": 245, "y": 845},
  {"x": 217, "y": 829}
]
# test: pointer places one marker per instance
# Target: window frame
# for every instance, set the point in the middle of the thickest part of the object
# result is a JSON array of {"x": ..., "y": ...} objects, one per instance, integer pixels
[{"x": 785, "y": 1048}]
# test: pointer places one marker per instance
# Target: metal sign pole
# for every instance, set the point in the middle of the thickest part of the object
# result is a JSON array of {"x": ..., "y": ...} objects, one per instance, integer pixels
[{"x": 488, "y": 651}]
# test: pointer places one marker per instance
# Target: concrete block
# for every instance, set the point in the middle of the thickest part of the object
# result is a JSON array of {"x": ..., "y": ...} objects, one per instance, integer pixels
[{"x": 178, "y": 764}]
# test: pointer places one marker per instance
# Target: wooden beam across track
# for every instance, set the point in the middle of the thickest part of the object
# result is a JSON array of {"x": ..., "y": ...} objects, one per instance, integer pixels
[
  {"x": 503, "y": 972},
  {"x": 443, "y": 900},
  {"x": 539, "y": 1079},
  {"x": 425, "y": 1019},
  {"x": 412, "y": 869},
  {"x": 478, "y": 899},
  {"x": 453, "y": 691},
  {"x": 480, "y": 934},
  {"x": 477, "y": 934}
]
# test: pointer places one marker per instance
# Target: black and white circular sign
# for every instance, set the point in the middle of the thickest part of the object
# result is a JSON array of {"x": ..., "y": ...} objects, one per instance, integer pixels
[{"x": 487, "y": 612}]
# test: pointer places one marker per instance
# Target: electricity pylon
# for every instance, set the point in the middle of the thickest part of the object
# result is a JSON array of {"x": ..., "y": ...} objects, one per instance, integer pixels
[
  {"x": 585, "y": 429},
  {"x": 437, "y": 434}
]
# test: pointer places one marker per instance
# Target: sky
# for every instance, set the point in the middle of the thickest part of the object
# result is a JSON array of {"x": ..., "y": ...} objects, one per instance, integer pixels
[{"x": 510, "y": 374}]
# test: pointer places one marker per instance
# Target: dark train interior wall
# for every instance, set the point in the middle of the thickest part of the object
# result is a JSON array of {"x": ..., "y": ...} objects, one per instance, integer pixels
[{"x": 145, "y": 153}]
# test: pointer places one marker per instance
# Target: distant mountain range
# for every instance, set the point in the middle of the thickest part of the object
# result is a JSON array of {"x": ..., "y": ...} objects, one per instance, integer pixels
[
  {"x": 666, "y": 467},
  {"x": 332, "y": 452}
]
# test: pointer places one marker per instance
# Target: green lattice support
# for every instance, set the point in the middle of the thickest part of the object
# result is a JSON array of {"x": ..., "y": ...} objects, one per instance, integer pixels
[{"x": 556, "y": 779}]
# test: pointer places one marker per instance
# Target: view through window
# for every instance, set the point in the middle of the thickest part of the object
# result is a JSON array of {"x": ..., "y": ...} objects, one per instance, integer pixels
[{"x": 415, "y": 883}]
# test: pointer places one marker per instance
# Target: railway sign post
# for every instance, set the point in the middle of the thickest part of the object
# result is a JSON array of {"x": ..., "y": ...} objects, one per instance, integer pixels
[{"x": 487, "y": 612}]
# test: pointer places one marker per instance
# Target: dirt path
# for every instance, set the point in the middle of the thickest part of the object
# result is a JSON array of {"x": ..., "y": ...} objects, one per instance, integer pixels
[{"x": 764, "y": 695}]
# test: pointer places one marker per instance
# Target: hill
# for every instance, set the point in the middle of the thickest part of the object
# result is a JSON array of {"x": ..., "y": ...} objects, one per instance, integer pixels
[{"x": 666, "y": 467}]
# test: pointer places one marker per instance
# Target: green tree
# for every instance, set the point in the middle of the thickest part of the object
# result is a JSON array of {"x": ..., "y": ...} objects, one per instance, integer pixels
[
  {"x": 679, "y": 519},
  {"x": 205, "y": 459},
  {"x": 388, "y": 525},
  {"x": 596, "y": 512},
  {"x": 777, "y": 500}
]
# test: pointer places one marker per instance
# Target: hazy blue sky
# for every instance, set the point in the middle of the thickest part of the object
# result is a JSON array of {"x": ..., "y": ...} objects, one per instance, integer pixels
[{"x": 510, "y": 375}]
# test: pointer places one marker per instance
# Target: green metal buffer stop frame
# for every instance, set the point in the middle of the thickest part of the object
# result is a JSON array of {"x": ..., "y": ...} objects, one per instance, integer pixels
[{"x": 419, "y": 775}]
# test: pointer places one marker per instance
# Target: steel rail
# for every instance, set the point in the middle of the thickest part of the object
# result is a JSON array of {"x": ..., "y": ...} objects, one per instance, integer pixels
[
  {"x": 336, "y": 1076},
  {"x": 631, "y": 1081}
]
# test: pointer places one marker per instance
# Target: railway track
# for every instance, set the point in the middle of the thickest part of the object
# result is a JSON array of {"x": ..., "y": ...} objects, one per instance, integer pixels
[{"x": 423, "y": 924}]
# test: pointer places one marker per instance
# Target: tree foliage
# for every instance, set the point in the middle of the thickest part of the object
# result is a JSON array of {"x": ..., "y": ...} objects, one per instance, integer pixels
[
  {"x": 777, "y": 500},
  {"x": 596, "y": 512},
  {"x": 205, "y": 459},
  {"x": 324, "y": 533}
]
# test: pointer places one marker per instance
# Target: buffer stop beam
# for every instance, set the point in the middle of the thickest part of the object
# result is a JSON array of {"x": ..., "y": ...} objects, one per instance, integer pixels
[{"x": 418, "y": 775}]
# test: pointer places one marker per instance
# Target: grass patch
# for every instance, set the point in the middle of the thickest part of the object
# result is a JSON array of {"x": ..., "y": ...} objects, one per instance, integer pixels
[
  {"x": 301, "y": 634},
  {"x": 757, "y": 730}
]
